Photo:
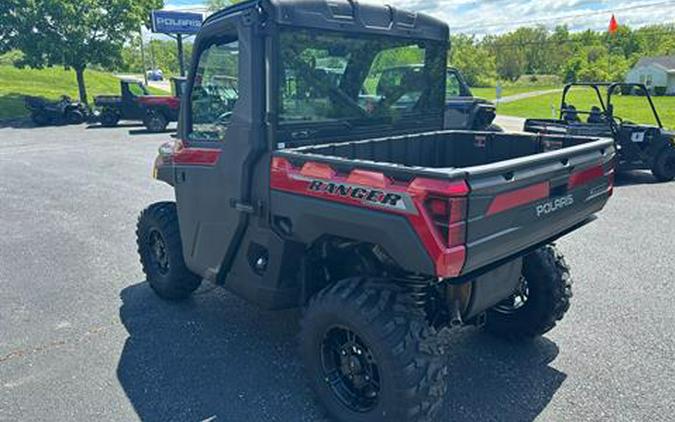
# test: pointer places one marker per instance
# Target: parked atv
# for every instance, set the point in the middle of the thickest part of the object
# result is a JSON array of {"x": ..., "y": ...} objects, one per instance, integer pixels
[
  {"x": 639, "y": 146},
  {"x": 64, "y": 111},
  {"x": 294, "y": 190}
]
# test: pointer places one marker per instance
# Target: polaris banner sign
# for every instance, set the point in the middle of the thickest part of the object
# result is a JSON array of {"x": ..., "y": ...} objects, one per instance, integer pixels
[{"x": 170, "y": 22}]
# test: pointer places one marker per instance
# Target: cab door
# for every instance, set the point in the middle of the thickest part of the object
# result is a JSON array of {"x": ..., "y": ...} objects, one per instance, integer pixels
[
  {"x": 458, "y": 102},
  {"x": 131, "y": 108},
  {"x": 221, "y": 129}
]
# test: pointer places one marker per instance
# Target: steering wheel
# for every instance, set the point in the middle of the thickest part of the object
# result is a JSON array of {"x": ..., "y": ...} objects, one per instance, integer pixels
[{"x": 224, "y": 119}]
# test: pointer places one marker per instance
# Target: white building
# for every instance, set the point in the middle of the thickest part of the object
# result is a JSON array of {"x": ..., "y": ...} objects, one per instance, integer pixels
[{"x": 654, "y": 72}]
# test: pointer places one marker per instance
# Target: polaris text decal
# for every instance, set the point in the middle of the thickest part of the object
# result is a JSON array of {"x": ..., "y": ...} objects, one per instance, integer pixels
[
  {"x": 554, "y": 205},
  {"x": 366, "y": 195}
]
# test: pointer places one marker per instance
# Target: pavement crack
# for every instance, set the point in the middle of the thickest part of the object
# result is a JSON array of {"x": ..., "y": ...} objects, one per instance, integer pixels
[{"x": 52, "y": 345}]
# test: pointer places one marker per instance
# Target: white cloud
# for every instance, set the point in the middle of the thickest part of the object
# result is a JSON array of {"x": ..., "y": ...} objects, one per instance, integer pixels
[
  {"x": 482, "y": 17},
  {"x": 496, "y": 16}
]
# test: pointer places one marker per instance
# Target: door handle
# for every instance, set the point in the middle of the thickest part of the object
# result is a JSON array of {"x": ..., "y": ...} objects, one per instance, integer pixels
[{"x": 243, "y": 207}]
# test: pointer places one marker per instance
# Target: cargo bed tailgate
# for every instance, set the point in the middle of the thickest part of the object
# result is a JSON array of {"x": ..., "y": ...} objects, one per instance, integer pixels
[{"x": 517, "y": 204}]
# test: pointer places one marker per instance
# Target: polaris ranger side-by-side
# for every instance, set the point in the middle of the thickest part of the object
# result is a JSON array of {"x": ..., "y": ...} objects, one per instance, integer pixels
[{"x": 306, "y": 190}]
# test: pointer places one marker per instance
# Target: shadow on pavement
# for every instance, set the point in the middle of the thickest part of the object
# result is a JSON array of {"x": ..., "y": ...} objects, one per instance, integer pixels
[
  {"x": 636, "y": 177},
  {"x": 137, "y": 132},
  {"x": 119, "y": 125},
  {"x": 495, "y": 380},
  {"x": 211, "y": 356},
  {"x": 217, "y": 356}
]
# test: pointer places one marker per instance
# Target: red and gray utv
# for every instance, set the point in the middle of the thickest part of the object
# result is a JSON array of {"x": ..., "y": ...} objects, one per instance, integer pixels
[
  {"x": 135, "y": 103},
  {"x": 295, "y": 188}
]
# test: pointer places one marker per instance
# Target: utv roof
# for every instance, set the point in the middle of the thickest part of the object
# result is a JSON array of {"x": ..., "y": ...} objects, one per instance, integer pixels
[{"x": 344, "y": 16}]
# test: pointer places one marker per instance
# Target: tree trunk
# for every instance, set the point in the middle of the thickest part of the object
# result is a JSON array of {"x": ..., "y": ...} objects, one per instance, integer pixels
[{"x": 79, "y": 72}]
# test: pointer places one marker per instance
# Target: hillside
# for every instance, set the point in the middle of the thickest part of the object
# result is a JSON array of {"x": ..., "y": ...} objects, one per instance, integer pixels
[{"x": 50, "y": 83}]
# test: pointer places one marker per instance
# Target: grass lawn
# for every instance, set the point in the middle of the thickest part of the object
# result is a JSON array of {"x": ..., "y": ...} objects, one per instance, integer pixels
[
  {"x": 491, "y": 93},
  {"x": 631, "y": 108},
  {"x": 49, "y": 83}
]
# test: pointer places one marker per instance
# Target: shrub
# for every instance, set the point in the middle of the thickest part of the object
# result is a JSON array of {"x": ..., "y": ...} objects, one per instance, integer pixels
[{"x": 660, "y": 91}]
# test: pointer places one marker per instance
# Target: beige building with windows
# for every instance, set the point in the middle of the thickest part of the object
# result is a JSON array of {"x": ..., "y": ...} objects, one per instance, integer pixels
[{"x": 658, "y": 73}]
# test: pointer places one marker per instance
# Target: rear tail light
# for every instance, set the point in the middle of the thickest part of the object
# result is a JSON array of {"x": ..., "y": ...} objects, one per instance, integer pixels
[
  {"x": 448, "y": 216},
  {"x": 445, "y": 208},
  {"x": 584, "y": 176}
]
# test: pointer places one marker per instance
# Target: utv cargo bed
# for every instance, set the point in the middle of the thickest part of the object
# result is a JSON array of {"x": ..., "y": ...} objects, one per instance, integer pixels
[{"x": 512, "y": 192}]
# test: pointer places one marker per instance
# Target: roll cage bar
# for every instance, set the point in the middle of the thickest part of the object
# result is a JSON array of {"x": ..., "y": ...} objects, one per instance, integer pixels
[{"x": 606, "y": 105}]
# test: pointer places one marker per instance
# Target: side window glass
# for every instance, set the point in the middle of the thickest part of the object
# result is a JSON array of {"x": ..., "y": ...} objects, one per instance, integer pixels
[
  {"x": 215, "y": 91},
  {"x": 452, "y": 88},
  {"x": 136, "y": 90},
  {"x": 370, "y": 80}
]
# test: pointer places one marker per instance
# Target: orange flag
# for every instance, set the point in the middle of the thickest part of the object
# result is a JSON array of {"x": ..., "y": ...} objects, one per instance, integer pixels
[{"x": 613, "y": 25}]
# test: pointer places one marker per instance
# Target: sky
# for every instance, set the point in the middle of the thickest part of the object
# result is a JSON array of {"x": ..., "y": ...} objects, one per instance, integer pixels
[{"x": 481, "y": 17}]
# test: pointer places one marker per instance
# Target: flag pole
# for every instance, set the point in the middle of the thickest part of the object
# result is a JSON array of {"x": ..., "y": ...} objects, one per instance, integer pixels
[{"x": 613, "y": 28}]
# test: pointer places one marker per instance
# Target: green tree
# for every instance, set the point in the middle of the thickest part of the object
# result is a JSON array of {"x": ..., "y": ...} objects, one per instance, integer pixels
[
  {"x": 165, "y": 55},
  {"x": 656, "y": 40},
  {"x": 559, "y": 50},
  {"x": 473, "y": 60},
  {"x": 7, "y": 24},
  {"x": 74, "y": 33},
  {"x": 216, "y": 5}
]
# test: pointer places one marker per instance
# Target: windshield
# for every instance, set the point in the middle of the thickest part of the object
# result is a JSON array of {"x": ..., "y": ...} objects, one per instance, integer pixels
[{"x": 361, "y": 79}]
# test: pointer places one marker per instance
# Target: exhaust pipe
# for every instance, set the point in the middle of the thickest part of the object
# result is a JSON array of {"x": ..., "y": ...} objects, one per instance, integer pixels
[
  {"x": 457, "y": 298},
  {"x": 456, "y": 315}
]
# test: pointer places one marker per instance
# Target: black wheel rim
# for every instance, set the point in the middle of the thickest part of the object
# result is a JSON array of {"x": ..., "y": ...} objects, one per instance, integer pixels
[
  {"x": 516, "y": 301},
  {"x": 156, "y": 124},
  {"x": 158, "y": 251},
  {"x": 350, "y": 369}
]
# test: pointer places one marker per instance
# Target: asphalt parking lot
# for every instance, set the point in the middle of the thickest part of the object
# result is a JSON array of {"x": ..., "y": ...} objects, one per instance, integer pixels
[{"x": 82, "y": 337}]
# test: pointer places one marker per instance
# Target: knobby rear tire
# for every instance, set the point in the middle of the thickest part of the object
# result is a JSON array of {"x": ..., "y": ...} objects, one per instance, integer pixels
[
  {"x": 550, "y": 289},
  {"x": 664, "y": 165},
  {"x": 409, "y": 353}
]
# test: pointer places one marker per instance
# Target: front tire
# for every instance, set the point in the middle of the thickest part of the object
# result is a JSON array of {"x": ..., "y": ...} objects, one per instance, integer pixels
[
  {"x": 664, "y": 166},
  {"x": 155, "y": 122},
  {"x": 161, "y": 252},
  {"x": 109, "y": 118},
  {"x": 371, "y": 355},
  {"x": 74, "y": 117},
  {"x": 541, "y": 301}
]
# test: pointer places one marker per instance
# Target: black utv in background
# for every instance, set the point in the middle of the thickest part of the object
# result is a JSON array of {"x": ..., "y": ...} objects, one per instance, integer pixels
[
  {"x": 639, "y": 146},
  {"x": 297, "y": 185},
  {"x": 463, "y": 110}
]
